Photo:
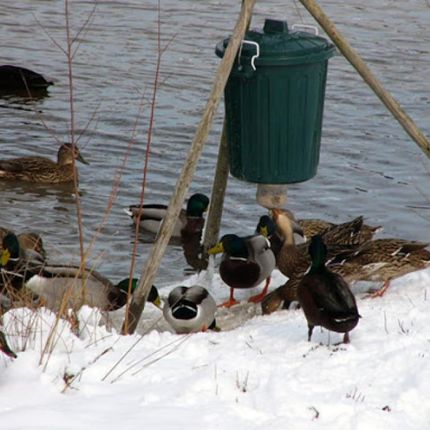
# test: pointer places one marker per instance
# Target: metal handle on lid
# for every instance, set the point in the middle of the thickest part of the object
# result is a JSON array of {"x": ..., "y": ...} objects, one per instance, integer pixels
[
  {"x": 306, "y": 28},
  {"x": 257, "y": 54}
]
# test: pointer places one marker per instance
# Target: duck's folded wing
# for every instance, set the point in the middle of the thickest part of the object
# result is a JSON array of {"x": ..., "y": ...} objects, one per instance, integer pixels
[
  {"x": 155, "y": 212},
  {"x": 331, "y": 293}
]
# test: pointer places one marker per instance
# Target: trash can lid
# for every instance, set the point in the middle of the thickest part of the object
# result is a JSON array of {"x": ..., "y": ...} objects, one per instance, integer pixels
[{"x": 279, "y": 46}]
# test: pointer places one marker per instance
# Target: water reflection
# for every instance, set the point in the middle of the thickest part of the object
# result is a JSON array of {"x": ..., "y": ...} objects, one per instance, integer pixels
[
  {"x": 367, "y": 166},
  {"x": 23, "y": 96}
]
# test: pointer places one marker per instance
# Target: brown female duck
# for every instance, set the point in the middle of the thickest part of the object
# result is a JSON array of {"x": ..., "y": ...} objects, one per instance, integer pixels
[
  {"x": 43, "y": 170},
  {"x": 293, "y": 260},
  {"x": 379, "y": 260},
  {"x": 382, "y": 260},
  {"x": 324, "y": 296},
  {"x": 312, "y": 226}
]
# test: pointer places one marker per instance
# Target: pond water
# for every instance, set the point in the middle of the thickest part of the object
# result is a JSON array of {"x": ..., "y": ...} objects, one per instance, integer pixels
[{"x": 368, "y": 164}]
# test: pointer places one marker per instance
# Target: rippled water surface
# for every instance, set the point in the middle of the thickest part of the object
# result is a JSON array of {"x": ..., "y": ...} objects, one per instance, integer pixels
[{"x": 368, "y": 164}]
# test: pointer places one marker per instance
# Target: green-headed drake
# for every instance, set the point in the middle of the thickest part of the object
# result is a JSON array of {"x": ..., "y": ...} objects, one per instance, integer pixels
[
  {"x": 28, "y": 240},
  {"x": 190, "y": 219},
  {"x": 246, "y": 262},
  {"x": 68, "y": 286},
  {"x": 190, "y": 309},
  {"x": 43, "y": 170},
  {"x": 55, "y": 283},
  {"x": 17, "y": 264},
  {"x": 324, "y": 296}
]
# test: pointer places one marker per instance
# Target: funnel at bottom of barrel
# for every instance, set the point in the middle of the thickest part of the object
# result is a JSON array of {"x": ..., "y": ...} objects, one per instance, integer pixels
[{"x": 271, "y": 196}]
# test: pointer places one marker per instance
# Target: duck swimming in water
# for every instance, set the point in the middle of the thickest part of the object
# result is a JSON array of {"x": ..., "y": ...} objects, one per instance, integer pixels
[
  {"x": 150, "y": 216},
  {"x": 43, "y": 170}
]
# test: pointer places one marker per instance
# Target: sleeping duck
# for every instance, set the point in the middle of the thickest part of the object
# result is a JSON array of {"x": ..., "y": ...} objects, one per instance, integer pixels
[
  {"x": 68, "y": 284},
  {"x": 43, "y": 170},
  {"x": 246, "y": 262},
  {"x": 150, "y": 216},
  {"x": 324, "y": 296},
  {"x": 190, "y": 309}
]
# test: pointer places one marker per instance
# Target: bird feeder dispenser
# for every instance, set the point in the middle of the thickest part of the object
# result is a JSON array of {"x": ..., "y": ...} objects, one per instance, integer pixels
[{"x": 274, "y": 102}]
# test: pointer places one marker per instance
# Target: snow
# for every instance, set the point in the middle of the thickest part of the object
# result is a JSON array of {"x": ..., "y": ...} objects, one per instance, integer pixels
[{"x": 259, "y": 372}]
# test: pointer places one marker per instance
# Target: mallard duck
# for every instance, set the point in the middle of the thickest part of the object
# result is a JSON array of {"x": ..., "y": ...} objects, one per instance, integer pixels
[
  {"x": 293, "y": 260},
  {"x": 246, "y": 262},
  {"x": 191, "y": 219},
  {"x": 379, "y": 260},
  {"x": 17, "y": 264},
  {"x": 28, "y": 240},
  {"x": 41, "y": 169},
  {"x": 190, "y": 309},
  {"x": 16, "y": 78},
  {"x": 4, "y": 347},
  {"x": 324, "y": 296},
  {"x": 53, "y": 284},
  {"x": 58, "y": 286},
  {"x": 382, "y": 260},
  {"x": 313, "y": 226}
]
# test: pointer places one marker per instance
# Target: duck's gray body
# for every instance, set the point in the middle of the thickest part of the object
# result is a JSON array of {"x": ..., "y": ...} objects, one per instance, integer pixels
[
  {"x": 151, "y": 217},
  {"x": 260, "y": 252},
  {"x": 190, "y": 310},
  {"x": 58, "y": 283}
]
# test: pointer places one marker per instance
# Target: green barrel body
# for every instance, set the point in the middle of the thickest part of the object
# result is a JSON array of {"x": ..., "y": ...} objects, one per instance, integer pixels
[{"x": 274, "y": 104}]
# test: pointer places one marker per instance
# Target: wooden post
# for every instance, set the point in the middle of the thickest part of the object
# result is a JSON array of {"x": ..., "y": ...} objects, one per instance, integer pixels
[
  {"x": 218, "y": 188},
  {"x": 150, "y": 269},
  {"x": 357, "y": 62},
  {"x": 218, "y": 191}
]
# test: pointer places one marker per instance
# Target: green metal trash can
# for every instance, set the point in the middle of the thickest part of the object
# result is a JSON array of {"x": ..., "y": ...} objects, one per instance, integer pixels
[{"x": 274, "y": 102}]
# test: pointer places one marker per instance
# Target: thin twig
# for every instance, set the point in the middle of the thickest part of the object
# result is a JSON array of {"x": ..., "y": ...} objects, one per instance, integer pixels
[
  {"x": 147, "y": 153},
  {"x": 128, "y": 351}
]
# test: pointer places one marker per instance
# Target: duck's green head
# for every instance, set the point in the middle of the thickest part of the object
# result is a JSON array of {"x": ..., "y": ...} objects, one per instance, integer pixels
[
  {"x": 232, "y": 245},
  {"x": 153, "y": 296},
  {"x": 317, "y": 252},
  {"x": 197, "y": 204},
  {"x": 266, "y": 226},
  {"x": 10, "y": 248}
]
